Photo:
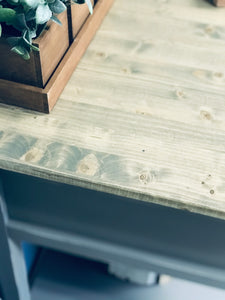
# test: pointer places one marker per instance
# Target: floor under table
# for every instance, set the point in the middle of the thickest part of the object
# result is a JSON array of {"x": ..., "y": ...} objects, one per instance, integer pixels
[{"x": 60, "y": 276}]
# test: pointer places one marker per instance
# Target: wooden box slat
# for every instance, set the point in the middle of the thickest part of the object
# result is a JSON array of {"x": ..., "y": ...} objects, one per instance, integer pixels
[
  {"x": 219, "y": 3},
  {"x": 53, "y": 44},
  {"x": 23, "y": 95}
]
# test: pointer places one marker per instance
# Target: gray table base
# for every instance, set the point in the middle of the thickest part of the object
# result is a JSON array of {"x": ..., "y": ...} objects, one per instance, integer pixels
[
  {"x": 109, "y": 229},
  {"x": 13, "y": 275}
]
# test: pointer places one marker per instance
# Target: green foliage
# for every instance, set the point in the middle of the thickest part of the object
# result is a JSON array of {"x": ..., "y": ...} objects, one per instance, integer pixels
[{"x": 28, "y": 18}]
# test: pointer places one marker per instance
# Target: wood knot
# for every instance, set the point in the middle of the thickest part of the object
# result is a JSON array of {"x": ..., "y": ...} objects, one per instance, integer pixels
[
  {"x": 209, "y": 30},
  {"x": 180, "y": 93},
  {"x": 212, "y": 192},
  {"x": 88, "y": 165},
  {"x": 218, "y": 76},
  {"x": 33, "y": 155},
  {"x": 125, "y": 70},
  {"x": 101, "y": 54},
  {"x": 199, "y": 73},
  {"x": 205, "y": 114},
  {"x": 146, "y": 177},
  {"x": 209, "y": 183},
  {"x": 143, "y": 177}
]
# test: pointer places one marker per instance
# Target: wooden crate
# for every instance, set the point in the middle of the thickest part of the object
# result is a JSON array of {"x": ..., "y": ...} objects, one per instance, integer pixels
[
  {"x": 39, "y": 68},
  {"x": 44, "y": 98},
  {"x": 219, "y": 3}
]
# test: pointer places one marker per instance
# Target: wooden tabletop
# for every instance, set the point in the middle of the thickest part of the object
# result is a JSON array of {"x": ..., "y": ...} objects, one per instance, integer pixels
[{"x": 143, "y": 115}]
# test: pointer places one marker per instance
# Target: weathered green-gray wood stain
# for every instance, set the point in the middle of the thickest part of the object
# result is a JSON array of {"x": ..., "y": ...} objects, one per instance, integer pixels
[{"x": 143, "y": 115}]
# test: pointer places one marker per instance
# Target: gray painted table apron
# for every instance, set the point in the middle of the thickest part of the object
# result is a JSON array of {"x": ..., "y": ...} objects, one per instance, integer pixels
[{"x": 107, "y": 228}]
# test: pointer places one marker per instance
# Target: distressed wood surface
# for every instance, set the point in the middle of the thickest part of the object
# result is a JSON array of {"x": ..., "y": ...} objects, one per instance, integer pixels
[{"x": 143, "y": 116}]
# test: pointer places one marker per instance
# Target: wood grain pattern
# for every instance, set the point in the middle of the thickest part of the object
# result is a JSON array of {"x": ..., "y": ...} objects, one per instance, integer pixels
[
  {"x": 61, "y": 76},
  {"x": 142, "y": 116}
]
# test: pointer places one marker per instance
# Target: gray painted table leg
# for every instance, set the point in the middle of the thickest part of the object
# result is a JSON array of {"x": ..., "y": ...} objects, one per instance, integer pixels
[
  {"x": 13, "y": 275},
  {"x": 19, "y": 269}
]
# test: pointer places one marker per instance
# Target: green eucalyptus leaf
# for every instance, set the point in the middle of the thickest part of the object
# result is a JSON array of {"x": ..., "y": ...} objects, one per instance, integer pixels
[
  {"x": 29, "y": 18},
  {"x": 22, "y": 51},
  {"x": 26, "y": 55},
  {"x": 30, "y": 45},
  {"x": 56, "y": 20},
  {"x": 30, "y": 15},
  {"x": 7, "y": 15},
  {"x": 57, "y": 7},
  {"x": 13, "y": 2},
  {"x": 30, "y": 3},
  {"x": 90, "y": 7},
  {"x": 13, "y": 40},
  {"x": 32, "y": 33},
  {"x": 34, "y": 48},
  {"x": 43, "y": 14},
  {"x": 20, "y": 22},
  {"x": 27, "y": 39}
]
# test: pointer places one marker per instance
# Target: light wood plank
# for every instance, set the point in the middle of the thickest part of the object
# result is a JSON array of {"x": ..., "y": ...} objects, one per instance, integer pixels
[{"x": 142, "y": 116}]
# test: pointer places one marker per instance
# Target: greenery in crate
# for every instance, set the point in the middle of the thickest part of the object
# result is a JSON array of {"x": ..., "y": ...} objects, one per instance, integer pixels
[{"x": 23, "y": 20}]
